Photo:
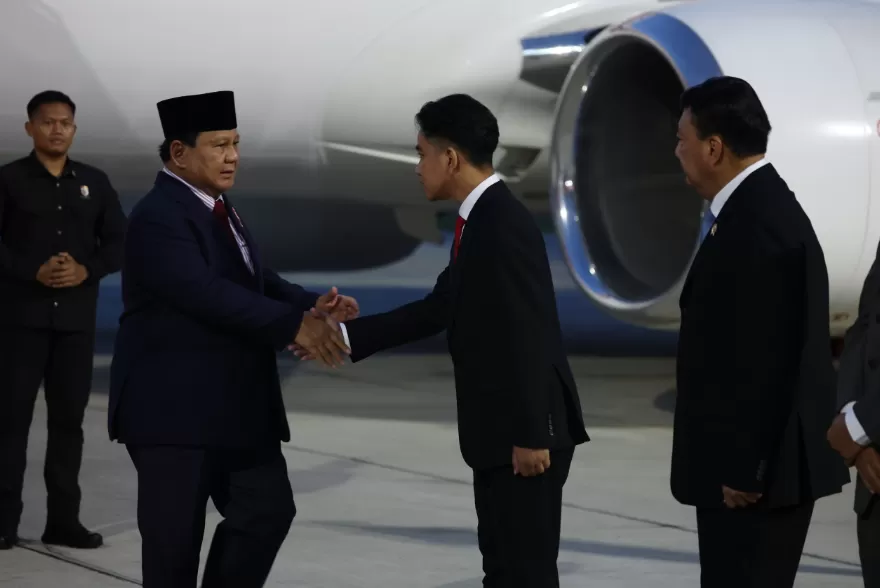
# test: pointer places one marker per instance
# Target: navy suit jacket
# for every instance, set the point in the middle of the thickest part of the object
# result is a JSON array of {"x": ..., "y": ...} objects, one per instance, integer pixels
[{"x": 195, "y": 355}]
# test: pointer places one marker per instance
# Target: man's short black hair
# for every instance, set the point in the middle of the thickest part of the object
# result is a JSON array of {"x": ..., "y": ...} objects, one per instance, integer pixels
[
  {"x": 49, "y": 97},
  {"x": 188, "y": 139},
  {"x": 730, "y": 108},
  {"x": 464, "y": 122}
]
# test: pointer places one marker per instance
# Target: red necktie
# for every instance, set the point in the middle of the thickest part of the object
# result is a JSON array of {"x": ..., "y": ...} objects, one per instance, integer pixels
[
  {"x": 459, "y": 225},
  {"x": 223, "y": 217}
]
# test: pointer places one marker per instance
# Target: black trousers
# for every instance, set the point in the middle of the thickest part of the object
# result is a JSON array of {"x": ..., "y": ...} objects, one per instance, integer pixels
[
  {"x": 869, "y": 544},
  {"x": 63, "y": 362},
  {"x": 250, "y": 488},
  {"x": 751, "y": 547},
  {"x": 519, "y": 522}
]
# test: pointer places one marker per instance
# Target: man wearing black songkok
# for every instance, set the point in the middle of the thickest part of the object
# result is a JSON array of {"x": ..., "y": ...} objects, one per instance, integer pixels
[{"x": 194, "y": 391}]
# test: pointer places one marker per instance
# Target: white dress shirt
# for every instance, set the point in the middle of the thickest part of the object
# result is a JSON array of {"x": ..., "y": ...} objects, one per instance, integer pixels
[
  {"x": 463, "y": 211},
  {"x": 208, "y": 201},
  {"x": 724, "y": 194},
  {"x": 468, "y": 205},
  {"x": 856, "y": 431}
]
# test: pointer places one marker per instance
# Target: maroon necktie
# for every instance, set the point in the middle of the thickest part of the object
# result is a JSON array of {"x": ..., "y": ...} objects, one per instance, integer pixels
[
  {"x": 459, "y": 225},
  {"x": 223, "y": 217}
]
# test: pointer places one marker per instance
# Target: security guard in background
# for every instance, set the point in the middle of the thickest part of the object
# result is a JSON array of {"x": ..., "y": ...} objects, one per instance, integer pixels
[{"x": 61, "y": 231}]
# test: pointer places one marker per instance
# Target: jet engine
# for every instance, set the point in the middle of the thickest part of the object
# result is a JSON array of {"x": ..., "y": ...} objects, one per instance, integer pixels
[{"x": 627, "y": 220}]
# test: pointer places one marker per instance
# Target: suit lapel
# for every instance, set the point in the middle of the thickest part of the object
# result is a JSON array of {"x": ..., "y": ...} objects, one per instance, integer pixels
[
  {"x": 203, "y": 215},
  {"x": 249, "y": 241},
  {"x": 458, "y": 268},
  {"x": 185, "y": 197},
  {"x": 458, "y": 265},
  {"x": 455, "y": 265},
  {"x": 695, "y": 266},
  {"x": 738, "y": 203},
  {"x": 708, "y": 246},
  {"x": 230, "y": 245}
]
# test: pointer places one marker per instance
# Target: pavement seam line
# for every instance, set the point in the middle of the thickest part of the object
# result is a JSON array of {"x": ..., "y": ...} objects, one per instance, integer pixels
[
  {"x": 653, "y": 523},
  {"x": 60, "y": 556}
]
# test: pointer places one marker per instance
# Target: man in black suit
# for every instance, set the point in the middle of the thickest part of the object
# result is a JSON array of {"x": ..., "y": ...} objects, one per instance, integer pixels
[
  {"x": 519, "y": 415},
  {"x": 855, "y": 433},
  {"x": 194, "y": 390},
  {"x": 755, "y": 376}
]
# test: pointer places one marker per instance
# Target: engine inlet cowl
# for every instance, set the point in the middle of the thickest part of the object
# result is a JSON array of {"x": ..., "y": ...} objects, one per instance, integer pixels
[{"x": 628, "y": 222}]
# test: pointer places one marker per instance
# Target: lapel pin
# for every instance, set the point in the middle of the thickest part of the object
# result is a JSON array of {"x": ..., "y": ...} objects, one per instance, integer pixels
[
  {"x": 713, "y": 229},
  {"x": 84, "y": 190}
]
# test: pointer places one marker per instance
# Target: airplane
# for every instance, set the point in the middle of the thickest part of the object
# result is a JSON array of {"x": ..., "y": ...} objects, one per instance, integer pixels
[{"x": 586, "y": 94}]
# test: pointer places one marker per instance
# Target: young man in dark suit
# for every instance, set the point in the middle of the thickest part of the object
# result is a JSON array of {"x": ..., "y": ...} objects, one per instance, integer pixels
[
  {"x": 194, "y": 388},
  {"x": 519, "y": 416},
  {"x": 755, "y": 376}
]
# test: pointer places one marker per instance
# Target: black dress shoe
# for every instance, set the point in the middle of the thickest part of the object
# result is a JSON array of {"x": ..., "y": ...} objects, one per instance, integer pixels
[
  {"x": 75, "y": 536},
  {"x": 7, "y": 542}
]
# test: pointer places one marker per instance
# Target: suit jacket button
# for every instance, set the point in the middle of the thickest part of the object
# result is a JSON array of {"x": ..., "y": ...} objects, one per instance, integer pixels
[{"x": 872, "y": 363}]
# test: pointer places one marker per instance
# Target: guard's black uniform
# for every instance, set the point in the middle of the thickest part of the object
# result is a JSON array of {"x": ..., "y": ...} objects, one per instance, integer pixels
[{"x": 47, "y": 334}]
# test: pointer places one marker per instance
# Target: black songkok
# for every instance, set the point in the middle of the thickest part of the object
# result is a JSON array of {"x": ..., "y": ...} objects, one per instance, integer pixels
[{"x": 198, "y": 114}]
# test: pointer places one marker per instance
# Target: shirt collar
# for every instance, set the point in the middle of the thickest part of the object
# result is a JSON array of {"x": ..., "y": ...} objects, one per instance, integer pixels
[
  {"x": 468, "y": 204},
  {"x": 203, "y": 196},
  {"x": 68, "y": 171},
  {"x": 727, "y": 191}
]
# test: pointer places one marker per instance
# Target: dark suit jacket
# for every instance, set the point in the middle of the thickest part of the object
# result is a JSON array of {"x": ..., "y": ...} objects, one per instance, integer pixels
[
  {"x": 755, "y": 375},
  {"x": 496, "y": 301},
  {"x": 194, "y": 361},
  {"x": 859, "y": 373}
]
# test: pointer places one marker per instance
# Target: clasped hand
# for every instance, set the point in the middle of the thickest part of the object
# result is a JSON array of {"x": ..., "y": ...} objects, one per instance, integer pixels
[
  {"x": 319, "y": 336},
  {"x": 737, "y": 499},
  {"x": 62, "y": 271},
  {"x": 867, "y": 463},
  {"x": 865, "y": 459}
]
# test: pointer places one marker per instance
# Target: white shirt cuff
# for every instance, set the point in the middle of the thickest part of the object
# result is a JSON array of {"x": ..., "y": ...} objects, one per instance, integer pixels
[
  {"x": 344, "y": 334},
  {"x": 856, "y": 431}
]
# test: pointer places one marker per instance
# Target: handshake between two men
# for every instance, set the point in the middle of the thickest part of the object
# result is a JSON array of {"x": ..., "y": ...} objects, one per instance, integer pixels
[{"x": 319, "y": 336}]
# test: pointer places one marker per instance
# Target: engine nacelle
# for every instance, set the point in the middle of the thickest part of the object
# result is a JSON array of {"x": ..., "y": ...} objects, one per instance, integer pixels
[{"x": 628, "y": 222}]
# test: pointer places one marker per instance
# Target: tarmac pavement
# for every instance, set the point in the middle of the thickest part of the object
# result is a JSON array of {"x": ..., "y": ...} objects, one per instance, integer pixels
[{"x": 384, "y": 498}]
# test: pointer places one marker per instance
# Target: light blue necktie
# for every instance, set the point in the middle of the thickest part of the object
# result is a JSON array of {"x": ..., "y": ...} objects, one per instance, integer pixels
[{"x": 708, "y": 221}]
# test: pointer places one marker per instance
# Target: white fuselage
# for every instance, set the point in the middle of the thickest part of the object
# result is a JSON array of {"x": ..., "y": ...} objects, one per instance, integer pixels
[
  {"x": 326, "y": 94},
  {"x": 303, "y": 74}
]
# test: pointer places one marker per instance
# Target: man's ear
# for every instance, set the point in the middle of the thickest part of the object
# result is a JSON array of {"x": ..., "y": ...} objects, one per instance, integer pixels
[
  {"x": 716, "y": 149},
  {"x": 454, "y": 160},
  {"x": 178, "y": 152}
]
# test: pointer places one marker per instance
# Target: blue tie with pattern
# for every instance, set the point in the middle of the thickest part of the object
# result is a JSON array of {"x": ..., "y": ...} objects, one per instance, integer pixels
[{"x": 708, "y": 221}]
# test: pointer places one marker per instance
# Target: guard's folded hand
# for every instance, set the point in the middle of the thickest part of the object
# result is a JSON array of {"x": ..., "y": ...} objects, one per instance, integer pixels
[
  {"x": 68, "y": 272},
  {"x": 48, "y": 270},
  {"x": 320, "y": 339}
]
